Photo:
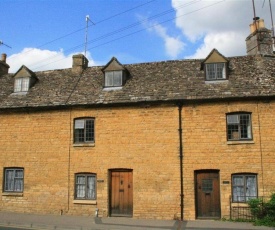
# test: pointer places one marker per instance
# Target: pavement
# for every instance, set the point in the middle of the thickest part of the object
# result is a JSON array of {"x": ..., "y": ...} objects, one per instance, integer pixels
[{"x": 66, "y": 222}]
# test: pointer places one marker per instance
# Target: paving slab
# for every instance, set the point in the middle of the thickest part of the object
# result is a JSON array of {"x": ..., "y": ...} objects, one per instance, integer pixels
[{"x": 66, "y": 222}]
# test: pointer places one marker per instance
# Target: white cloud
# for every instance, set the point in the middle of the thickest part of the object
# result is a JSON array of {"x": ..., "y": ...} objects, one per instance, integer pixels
[
  {"x": 173, "y": 45},
  {"x": 221, "y": 24},
  {"x": 38, "y": 60},
  {"x": 220, "y": 41}
]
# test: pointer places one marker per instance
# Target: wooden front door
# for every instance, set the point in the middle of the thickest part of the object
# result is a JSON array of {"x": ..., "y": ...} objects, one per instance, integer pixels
[
  {"x": 121, "y": 193},
  {"x": 207, "y": 194}
]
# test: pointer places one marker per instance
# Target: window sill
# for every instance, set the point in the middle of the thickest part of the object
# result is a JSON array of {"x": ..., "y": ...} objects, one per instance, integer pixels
[
  {"x": 111, "y": 88},
  {"x": 216, "y": 81},
  {"x": 239, "y": 142},
  {"x": 85, "y": 202},
  {"x": 12, "y": 194},
  {"x": 84, "y": 145},
  {"x": 20, "y": 93}
]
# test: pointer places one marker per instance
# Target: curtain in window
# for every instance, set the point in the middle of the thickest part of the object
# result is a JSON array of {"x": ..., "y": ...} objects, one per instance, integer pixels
[
  {"x": 25, "y": 84},
  {"x": 210, "y": 71},
  {"x": 17, "y": 85},
  {"x": 80, "y": 187},
  {"x": 18, "y": 180},
  {"x": 91, "y": 187},
  {"x": 117, "y": 78},
  {"x": 249, "y": 128},
  {"x": 238, "y": 188},
  {"x": 9, "y": 180},
  {"x": 250, "y": 187},
  {"x": 108, "y": 78}
]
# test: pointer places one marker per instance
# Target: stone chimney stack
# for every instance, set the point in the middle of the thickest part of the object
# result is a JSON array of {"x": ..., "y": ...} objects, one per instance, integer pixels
[
  {"x": 80, "y": 63},
  {"x": 260, "y": 39},
  {"x": 4, "y": 67}
]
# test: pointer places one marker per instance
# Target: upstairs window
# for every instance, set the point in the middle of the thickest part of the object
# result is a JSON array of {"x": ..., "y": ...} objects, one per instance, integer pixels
[
  {"x": 215, "y": 71},
  {"x": 84, "y": 130},
  {"x": 85, "y": 186},
  {"x": 21, "y": 84},
  {"x": 113, "y": 78},
  {"x": 244, "y": 187},
  {"x": 13, "y": 179},
  {"x": 239, "y": 126}
]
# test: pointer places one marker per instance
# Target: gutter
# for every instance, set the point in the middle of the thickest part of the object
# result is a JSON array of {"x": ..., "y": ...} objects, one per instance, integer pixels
[{"x": 181, "y": 161}]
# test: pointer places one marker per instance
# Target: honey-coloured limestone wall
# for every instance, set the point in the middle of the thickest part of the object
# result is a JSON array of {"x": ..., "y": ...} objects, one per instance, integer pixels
[
  {"x": 206, "y": 148},
  {"x": 142, "y": 138}
]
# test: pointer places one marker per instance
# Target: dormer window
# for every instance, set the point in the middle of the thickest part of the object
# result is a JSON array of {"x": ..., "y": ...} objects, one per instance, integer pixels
[
  {"x": 24, "y": 79},
  {"x": 215, "y": 66},
  {"x": 215, "y": 71},
  {"x": 21, "y": 84},
  {"x": 113, "y": 78},
  {"x": 115, "y": 75}
]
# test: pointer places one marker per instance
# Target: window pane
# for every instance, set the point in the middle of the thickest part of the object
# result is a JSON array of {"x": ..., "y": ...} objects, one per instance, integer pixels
[
  {"x": 9, "y": 180},
  {"x": 91, "y": 187},
  {"x": 238, "y": 180},
  {"x": 251, "y": 187},
  {"x": 18, "y": 184},
  {"x": 79, "y": 135},
  {"x": 220, "y": 70},
  {"x": 210, "y": 72},
  {"x": 89, "y": 130},
  {"x": 79, "y": 124},
  {"x": 117, "y": 78},
  {"x": 80, "y": 191},
  {"x": 238, "y": 188},
  {"x": 25, "y": 84},
  {"x": 233, "y": 119},
  {"x": 80, "y": 180},
  {"x": 108, "y": 78},
  {"x": 233, "y": 132},
  {"x": 238, "y": 194},
  {"x": 17, "y": 84},
  {"x": 207, "y": 185},
  {"x": 245, "y": 125}
]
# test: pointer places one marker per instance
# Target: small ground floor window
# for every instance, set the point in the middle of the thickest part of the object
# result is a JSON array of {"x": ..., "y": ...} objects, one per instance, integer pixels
[
  {"x": 13, "y": 179},
  {"x": 244, "y": 187},
  {"x": 85, "y": 186}
]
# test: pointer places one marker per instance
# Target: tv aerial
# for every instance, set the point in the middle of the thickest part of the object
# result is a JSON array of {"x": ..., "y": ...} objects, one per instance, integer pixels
[
  {"x": 86, "y": 34},
  {"x": 2, "y": 43}
]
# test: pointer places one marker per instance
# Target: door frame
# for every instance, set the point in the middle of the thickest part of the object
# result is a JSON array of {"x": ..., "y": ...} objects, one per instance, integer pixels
[
  {"x": 110, "y": 190},
  {"x": 196, "y": 172}
]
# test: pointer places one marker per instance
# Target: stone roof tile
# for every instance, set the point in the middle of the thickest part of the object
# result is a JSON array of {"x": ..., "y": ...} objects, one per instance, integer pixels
[{"x": 249, "y": 76}]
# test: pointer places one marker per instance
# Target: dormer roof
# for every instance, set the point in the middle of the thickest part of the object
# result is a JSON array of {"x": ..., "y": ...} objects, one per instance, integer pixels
[
  {"x": 215, "y": 57},
  {"x": 24, "y": 71},
  {"x": 113, "y": 65}
]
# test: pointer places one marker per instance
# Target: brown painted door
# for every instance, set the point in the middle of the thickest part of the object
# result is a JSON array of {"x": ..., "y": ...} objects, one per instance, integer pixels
[
  {"x": 121, "y": 197},
  {"x": 207, "y": 194}
]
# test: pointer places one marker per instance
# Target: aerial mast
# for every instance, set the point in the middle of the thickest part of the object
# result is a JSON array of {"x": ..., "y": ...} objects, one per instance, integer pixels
[
  {"x": 272, "y": 24},
  {"x": 86, "y": 34},
  {"x": 2, "y": 43}
]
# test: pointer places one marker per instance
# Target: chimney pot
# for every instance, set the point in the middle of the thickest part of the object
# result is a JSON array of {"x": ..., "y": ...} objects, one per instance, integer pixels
[
  {"x": 4, "y": 67},
  {"x": 4, "y": 57},
  {"x": 80, "y": 62},
  {"x": 258, "y": 24}
]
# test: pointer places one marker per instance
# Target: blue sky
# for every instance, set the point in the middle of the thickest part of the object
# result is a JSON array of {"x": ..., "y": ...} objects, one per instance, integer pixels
[{"x": 44, "y": 34}]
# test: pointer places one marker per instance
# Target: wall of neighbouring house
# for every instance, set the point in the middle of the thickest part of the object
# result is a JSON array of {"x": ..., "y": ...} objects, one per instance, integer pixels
[
  {"x": 206, "y": 147},
  {"x": 144, "y": 139}
]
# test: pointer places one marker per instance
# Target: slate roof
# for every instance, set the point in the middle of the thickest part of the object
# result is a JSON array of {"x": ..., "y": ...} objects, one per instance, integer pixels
[{"x": 249, "y": 77}]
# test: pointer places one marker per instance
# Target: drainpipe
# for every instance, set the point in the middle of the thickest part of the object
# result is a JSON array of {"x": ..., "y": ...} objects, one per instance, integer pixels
[{"x": 181, "y": 162}]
